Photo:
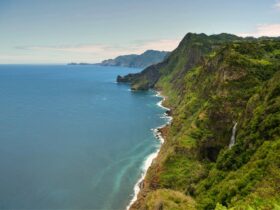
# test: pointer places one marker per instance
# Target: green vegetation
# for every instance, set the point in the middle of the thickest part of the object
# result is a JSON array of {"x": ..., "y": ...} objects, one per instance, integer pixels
[
  {"x": 211, "y": 82},
  {"x": 169, "y": 199}
]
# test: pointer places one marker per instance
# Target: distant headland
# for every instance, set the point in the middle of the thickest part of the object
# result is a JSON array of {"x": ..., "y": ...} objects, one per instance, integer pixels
[{"x": 143, "y": 60}]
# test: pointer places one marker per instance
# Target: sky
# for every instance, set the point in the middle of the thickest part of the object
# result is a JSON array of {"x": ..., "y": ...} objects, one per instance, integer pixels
[{"x": 63, "y": 31}]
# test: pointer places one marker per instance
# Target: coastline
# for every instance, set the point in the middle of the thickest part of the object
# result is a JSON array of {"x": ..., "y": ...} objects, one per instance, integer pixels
[{"x": 150, "y": 158}]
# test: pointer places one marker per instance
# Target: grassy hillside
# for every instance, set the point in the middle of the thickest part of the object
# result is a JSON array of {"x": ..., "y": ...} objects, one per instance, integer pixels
[{"x": 212, "y": 83}]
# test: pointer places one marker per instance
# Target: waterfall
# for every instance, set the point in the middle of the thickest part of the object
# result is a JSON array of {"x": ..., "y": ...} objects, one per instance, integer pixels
[{"x": 232, "y": 139}]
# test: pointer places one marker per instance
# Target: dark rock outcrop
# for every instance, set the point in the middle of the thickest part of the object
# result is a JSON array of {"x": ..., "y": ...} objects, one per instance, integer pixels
[{"x": 143, "y": 80}]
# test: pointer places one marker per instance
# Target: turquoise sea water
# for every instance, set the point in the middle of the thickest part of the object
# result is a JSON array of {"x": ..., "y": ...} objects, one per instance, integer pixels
[{"x": 71, "y": 138}]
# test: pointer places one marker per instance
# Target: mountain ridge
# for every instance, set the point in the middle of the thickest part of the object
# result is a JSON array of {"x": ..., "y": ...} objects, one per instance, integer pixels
[{"x": 143, "y": 60}]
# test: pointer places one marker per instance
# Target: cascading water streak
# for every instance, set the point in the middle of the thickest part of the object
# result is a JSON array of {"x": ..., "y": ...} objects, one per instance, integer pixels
[{"x": 232, "y": 139}]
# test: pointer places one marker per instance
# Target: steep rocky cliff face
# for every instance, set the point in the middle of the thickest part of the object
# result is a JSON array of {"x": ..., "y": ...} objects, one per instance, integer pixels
[{"x": 215, "y": 84}]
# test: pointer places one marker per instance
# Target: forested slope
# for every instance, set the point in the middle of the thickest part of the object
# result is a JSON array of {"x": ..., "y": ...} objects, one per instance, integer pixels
[{"x": 213, "y": 84}]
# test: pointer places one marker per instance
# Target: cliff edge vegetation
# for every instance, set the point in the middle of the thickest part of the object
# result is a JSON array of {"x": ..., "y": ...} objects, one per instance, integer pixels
[{"x": 222, "y": 149}]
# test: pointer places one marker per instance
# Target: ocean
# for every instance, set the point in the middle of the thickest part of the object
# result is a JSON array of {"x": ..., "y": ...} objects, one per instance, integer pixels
[{"x": 72, "y": 138}]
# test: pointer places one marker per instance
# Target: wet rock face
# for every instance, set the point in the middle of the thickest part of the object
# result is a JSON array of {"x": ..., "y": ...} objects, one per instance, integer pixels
[
  {"x": 168, "y": 112},
  {"x": 120, "y": 79},
  {"x": 211, "y": 153}
]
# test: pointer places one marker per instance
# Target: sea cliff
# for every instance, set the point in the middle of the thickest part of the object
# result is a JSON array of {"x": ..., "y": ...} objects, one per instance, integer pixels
[{"x": 216, "y": 86}]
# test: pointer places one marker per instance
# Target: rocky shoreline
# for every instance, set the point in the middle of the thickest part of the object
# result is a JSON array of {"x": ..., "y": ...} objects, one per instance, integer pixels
[{"x": 161, "y": 134}]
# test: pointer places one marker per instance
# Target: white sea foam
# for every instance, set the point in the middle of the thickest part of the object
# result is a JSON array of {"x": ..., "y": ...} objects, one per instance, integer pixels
[
  {"x": 145, "y": 167},
  {"x": 149, "y": 160},
  {"x": 161, "y": 102}
]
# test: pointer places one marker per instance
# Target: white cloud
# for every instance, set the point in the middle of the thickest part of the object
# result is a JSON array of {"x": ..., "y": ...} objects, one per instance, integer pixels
[
  {"x": 73, "y": 49},
  {"x": 277, "y": 5},
  {"x": 135, "y": 47},
  {"x": 272, "y": 30},
  {"x": 163, "y": 44},
  {"x": 96, "y": 52}
]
